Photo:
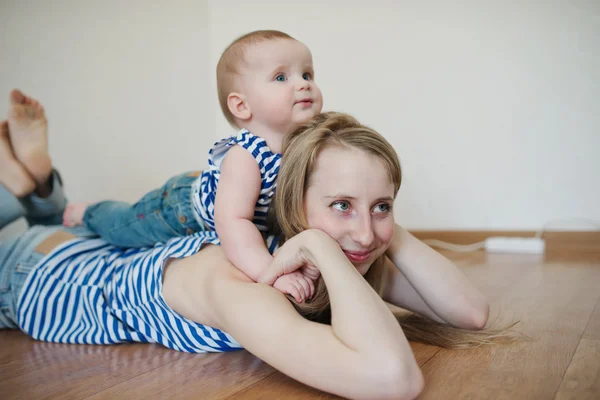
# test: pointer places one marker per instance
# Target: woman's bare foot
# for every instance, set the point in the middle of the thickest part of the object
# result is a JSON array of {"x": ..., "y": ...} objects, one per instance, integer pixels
[
  {"x": 12, "y": 174},
  {"x": 73, "y": 215},
  {"x": 28, "y": 134}
]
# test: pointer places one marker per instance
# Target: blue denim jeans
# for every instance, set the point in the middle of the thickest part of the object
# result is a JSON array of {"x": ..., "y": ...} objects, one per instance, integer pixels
[
  {"x": 160, "y": 215},
  {"x": 18, "y": 256}
]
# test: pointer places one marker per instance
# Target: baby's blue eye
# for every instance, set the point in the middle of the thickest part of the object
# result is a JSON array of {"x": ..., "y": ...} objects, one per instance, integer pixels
[
  {"x": 306, "y": 76},
  {"x": 280, "y": 78}
]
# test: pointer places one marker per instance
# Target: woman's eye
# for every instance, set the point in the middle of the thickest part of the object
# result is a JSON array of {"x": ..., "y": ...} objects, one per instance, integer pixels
[
  {"x": 341, "y": 206},
  {"x": 306, "y": 76},
  {"x": 382, "y": 208},
  {"x": 280, "y": 78}
]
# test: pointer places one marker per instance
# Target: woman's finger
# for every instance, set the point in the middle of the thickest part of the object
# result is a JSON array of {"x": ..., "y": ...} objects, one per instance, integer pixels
[{"x": 311, "y": 271}]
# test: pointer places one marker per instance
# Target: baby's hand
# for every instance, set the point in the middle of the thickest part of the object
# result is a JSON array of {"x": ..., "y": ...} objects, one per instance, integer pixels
[{"x": 296, "y": 284}]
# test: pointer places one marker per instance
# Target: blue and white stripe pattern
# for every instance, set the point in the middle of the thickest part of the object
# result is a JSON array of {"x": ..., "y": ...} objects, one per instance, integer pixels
[
  {"x": 267, "y": 161},
  {"x": 89, "y": 292}
]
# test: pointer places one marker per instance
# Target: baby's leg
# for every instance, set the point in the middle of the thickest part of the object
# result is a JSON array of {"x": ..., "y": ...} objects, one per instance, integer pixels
[
  {"x": 130, "y": 225},
  {"x": 160, "y": 215}
]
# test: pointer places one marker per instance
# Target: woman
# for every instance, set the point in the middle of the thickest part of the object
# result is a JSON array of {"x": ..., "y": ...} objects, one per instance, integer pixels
[{"x": 334, "y": 204}]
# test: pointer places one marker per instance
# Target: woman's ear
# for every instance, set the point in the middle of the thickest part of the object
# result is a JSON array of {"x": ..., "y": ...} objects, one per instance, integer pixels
[{"x": 238, "y": 106}]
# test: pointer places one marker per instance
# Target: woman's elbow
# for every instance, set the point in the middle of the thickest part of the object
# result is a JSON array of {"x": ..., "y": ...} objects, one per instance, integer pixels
[
  {"x": 477, "y": 316},
  {"x": 407, "y": 385},
  {"x": 400, "y": 381}
]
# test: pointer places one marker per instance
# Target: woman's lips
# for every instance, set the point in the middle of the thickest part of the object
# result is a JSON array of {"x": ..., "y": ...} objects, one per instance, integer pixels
[{"x": 357, "y": 256}]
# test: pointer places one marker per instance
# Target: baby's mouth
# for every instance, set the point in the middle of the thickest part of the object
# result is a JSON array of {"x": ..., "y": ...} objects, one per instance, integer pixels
[{"x": 304, "y": 102}]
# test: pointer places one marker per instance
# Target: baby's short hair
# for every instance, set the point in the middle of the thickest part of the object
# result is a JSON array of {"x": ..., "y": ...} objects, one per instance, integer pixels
[{"x": 232, "y": 57}]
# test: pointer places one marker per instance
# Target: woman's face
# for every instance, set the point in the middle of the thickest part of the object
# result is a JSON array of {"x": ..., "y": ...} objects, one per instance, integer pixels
[{"x": 350, "y": 197}]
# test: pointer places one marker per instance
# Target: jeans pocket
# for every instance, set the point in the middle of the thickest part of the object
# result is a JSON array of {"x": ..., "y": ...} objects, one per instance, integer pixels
[
  {"x": 22, "y": 271},
  {"x": 25, "y": 266},
  {"x": 11, "y": 290}
]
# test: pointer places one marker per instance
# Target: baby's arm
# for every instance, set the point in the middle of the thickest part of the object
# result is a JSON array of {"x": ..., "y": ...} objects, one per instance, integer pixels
[{"x": 237, "y": 193}]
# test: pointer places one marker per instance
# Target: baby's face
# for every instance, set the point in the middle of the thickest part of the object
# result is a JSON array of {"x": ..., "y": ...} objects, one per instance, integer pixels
[{"x": 278, "y": 82}]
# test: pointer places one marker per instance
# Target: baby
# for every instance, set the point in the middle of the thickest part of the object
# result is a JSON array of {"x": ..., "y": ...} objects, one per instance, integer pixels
[{"x": 266, "y": 88}]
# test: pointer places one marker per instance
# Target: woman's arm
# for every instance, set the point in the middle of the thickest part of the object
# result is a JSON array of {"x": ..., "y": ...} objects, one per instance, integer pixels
[
  {"x": 424, "y": 281},
  {"x": 363, "y": 354}
]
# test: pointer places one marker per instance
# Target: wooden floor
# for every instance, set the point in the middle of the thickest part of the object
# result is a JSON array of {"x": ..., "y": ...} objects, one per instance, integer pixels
[{"x": 556, "y": 298}]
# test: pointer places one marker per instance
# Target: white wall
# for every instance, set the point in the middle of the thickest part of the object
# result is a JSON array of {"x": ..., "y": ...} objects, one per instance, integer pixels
[
  {"x": 124, "y": 83},
  {"x": 493, "y": 106}
]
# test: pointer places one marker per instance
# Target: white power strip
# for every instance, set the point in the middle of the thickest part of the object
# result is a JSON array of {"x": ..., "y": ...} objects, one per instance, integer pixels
[{"x": 529, "y": 245}]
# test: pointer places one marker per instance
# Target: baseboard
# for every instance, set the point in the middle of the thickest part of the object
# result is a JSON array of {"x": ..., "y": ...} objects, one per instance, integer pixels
[{"x": 555, "y": 240}]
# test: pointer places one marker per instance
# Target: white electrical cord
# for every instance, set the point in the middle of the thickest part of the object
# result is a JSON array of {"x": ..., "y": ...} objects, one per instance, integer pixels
[{"x": 467, "y": 248}]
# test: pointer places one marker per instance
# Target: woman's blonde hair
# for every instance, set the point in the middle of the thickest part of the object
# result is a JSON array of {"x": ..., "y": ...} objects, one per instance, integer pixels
[{"x": 301, "y": 149}]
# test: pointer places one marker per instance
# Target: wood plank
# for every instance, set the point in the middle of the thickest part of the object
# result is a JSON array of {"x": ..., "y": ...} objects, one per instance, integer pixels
[
  {"x": 423, "y": 352},
  {"x": 40, "y": 370},
  {"x": 206, "y": 376},
  {"x": 280, "y": 386},
  {"x": 592, "y": 331},
  {"x": 15, "y": 344},
  {"x": 554, "y": 303},
  {"x": 585, "y": 241},
  {"x": 582, "y": 380}
]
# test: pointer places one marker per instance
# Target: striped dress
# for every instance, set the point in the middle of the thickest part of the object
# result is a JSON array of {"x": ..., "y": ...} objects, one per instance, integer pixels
[
  {"x": 87, "y": 291},
  {"x": 205, "y": 188}
]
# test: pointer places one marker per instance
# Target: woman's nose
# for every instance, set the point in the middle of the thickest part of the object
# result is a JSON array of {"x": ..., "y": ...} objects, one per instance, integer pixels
[{"x": 362, "y": 232}]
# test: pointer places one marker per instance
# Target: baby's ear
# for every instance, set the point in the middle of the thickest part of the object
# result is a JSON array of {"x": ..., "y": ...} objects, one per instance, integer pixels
[{"x": 238, "y": 106}]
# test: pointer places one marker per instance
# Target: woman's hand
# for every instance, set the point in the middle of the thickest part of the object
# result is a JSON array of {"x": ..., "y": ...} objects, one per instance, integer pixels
[{"x": 295, "y": 254}]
